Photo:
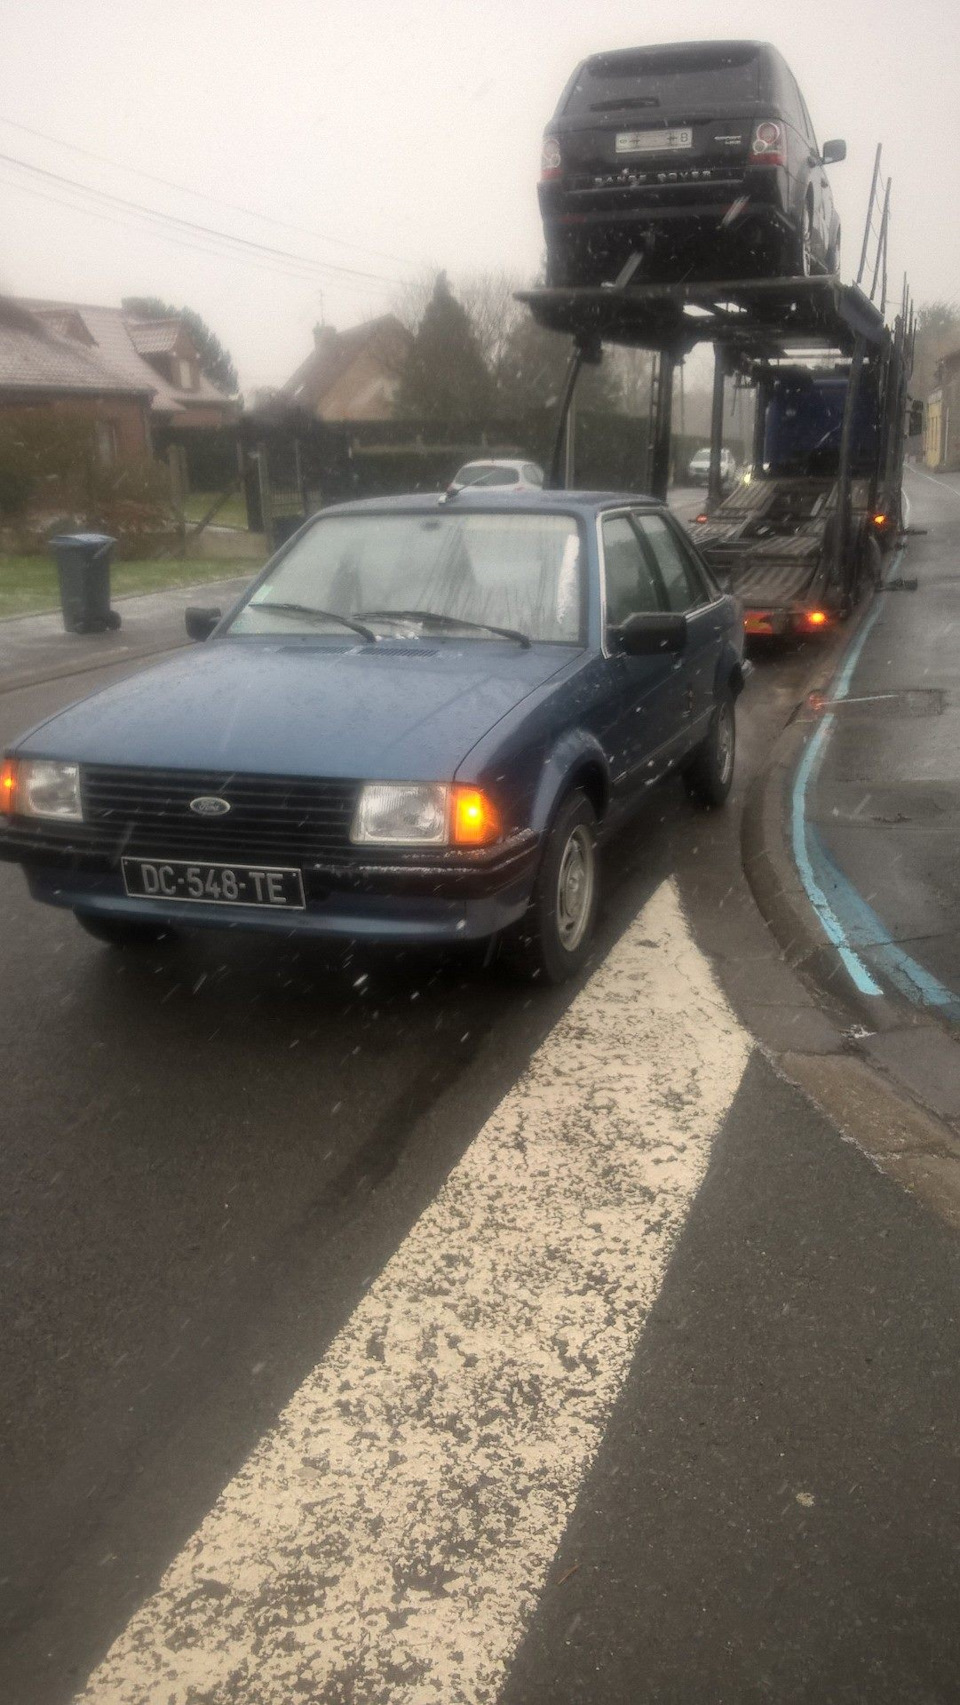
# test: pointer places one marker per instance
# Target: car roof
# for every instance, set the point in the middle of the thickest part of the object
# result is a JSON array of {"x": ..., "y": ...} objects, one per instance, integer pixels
[{"x": 490, "y": 498}]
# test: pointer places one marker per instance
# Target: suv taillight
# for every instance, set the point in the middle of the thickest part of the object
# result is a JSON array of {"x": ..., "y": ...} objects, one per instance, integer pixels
[
  {"x": 551, "y": 164},
  {"x": 768, "y": 147}
]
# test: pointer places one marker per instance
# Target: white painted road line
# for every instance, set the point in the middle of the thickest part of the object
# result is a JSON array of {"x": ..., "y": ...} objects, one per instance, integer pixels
[{"x": 389, "y": 1539}]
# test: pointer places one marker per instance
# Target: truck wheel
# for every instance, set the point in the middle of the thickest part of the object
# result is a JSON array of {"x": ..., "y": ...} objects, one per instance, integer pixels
[
  {"x": 709, "y": 774},
  {"x": 125, "y": 932},
  {"x": 871, "y": 565},
  {"x": 552, "y": 940}
]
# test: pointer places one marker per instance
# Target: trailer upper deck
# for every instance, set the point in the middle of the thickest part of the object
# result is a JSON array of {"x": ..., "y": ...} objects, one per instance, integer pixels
[{"x": 760, "y": 317}]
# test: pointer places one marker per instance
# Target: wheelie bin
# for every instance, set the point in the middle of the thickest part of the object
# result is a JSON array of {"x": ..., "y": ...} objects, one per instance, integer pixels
[{"x": 83, "y": 565}]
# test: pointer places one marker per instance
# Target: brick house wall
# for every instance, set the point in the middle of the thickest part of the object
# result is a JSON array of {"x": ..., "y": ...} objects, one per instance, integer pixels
[{"x": 125, "y": 418}]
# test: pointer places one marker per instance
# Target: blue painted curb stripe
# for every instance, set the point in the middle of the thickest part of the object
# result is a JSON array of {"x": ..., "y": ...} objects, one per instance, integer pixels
[
  {"x": 846, "y": 918},
  {"x": 832, "y": 926}
]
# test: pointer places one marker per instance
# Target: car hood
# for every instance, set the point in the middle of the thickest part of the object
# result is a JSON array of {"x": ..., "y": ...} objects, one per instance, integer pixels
[{"x": 388, "y": 712}]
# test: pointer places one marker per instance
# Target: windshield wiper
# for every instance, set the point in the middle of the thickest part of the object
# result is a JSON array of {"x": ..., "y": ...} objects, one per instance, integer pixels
[
  {"x": 281, "y": 609},
  {"x": 443, "y": 621}
]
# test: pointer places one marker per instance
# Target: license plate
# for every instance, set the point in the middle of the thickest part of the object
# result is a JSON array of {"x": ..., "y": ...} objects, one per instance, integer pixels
[
  {"x": 214, "y": 884},
  {"x": 653, "y": 141},
  {"x": 754, "y": 622}
]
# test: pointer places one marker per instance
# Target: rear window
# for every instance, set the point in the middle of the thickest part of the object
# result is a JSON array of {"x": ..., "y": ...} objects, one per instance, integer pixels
[
  {"x": 651, "y": 78},
  {"x": 485, "y": 473}
]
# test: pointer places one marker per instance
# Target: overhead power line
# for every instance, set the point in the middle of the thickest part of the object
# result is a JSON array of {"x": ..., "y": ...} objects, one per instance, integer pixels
[
  {"x": 204, "y": 195},
  {"x": 192, "y": 226},
  {"x": 196, "y": 246}
]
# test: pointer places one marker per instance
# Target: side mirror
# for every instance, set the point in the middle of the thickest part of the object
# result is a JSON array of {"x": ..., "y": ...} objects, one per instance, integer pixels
[
  {"x": 200, "y": 622},
  {"x": 915, "y": 423},
  {"x": 650, "y": 635},
  {"x": 834, "y": 152}
]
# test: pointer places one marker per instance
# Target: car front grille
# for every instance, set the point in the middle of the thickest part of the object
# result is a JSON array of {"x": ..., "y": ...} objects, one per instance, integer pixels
[{"x": 148, "y": 811}]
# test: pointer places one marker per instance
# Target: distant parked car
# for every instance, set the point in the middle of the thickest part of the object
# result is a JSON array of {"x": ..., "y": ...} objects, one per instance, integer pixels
[
  {"x": 416, "y": 727},
  {"x": 511, "y": 476},
  {"x": 700, "y": 156},
  {"x": 698, "y": 471}
]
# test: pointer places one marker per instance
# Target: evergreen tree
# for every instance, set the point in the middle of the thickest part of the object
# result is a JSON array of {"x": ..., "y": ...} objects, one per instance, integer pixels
[{"x": 445, "y": 376}]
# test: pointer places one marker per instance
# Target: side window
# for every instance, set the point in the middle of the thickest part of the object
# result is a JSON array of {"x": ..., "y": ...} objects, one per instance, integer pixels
[
  {"x": 532, "y": 475},
  {"x": 684, "y": 588},
  {"x": 628, "y": 578}
]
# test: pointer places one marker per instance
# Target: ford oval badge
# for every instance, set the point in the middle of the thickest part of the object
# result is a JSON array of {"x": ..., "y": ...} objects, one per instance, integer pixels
[{"x": 208, "y": 805}]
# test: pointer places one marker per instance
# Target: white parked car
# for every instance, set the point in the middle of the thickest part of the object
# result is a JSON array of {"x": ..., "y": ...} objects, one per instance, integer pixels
[
  {"x": 506, "y": 475},
  {"x": 699, "y": 470}
]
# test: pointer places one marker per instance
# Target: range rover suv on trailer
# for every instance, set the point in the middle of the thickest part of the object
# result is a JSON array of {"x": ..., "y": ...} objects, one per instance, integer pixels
[
  {"x": 700, "y": 158},
  {"x": 415, "y": 727}
]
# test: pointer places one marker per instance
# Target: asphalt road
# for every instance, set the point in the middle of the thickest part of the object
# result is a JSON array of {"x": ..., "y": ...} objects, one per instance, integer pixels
[{"x": 217, "y": 1161}]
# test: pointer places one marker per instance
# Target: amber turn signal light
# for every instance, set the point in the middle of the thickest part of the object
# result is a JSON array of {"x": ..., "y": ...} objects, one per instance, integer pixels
[
  {"x": 8, "y": 787},
  {"x": 816, "y": 618},
  {"x": 476, "y": 820}
]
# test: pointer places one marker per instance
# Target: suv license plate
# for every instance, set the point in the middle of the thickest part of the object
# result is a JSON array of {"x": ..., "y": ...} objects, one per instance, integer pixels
[
  {"x": 213, "y": 884},
  {"x": 653, "y": 141}
]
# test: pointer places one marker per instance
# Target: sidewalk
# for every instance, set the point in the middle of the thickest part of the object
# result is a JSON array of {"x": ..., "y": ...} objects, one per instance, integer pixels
[
  {"x": 36, "y": 648},
  {"x": 849, "y": 846}
]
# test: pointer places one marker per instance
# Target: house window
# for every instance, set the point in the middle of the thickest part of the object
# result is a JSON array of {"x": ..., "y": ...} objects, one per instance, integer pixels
[
  {"x": 108, "y": 442},
  {"x": 185, "y": 375}
]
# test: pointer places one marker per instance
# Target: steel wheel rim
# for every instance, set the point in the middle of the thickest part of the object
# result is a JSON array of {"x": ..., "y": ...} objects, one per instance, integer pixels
[
  {"x": 726, "y": 743},
  {"x": 576, "y": 880}
]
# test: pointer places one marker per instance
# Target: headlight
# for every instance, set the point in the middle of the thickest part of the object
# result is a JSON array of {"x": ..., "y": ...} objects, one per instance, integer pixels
[
  {"x": 401, "y": 814},
  {"x": 46, "y": 788}
]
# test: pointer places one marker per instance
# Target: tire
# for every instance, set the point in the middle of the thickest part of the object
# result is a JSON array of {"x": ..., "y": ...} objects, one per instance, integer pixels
[
  {"x": 557, "y": 271},
  {"x": 871, "y": 566},
  {"x": 552, "y": 940},
  {"x": 800, "y": 247},
  {"x": 833, "y": 256},
  {"x": 708, "y": 776},
  {"x": 125, "y": 932}
]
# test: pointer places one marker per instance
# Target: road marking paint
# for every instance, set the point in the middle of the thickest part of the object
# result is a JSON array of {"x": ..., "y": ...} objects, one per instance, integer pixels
[{"x": 389, "y": 1539}]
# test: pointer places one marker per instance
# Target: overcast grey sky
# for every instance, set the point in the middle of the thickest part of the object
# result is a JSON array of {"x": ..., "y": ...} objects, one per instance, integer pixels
[{"x": 408, "y": 130}]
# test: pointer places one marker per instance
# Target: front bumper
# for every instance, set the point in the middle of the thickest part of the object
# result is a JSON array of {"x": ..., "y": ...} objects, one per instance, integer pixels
[{"x": 450, "y": 896}]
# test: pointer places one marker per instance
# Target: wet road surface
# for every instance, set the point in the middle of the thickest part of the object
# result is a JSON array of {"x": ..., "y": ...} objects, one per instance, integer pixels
[{"x": 216, "y": 1167}]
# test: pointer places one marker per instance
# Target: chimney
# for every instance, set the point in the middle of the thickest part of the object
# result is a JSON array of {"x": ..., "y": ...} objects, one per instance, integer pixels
[{"x": 324, "y": 337}]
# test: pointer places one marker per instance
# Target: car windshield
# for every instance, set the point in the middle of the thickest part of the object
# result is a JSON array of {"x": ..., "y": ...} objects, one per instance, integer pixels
[{"x": 521, "y": 572}]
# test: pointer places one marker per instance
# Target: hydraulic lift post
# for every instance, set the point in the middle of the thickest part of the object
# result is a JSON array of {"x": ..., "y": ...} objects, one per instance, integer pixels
[
  {"x": 586, "y": 348},
  {"x": 843, "y": 568},
  {"x": 661, "y": 425},
  {"x": 715, "y": 478}
]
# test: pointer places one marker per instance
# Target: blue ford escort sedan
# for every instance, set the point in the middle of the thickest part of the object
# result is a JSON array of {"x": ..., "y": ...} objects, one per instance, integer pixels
[{"x": 417, "y": 725}]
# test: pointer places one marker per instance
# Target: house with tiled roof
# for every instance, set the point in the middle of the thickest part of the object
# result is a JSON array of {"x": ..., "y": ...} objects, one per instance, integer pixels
[
  {"x": 158, "y": 353},
  {"x": 54, "y": 364},
  {"x": 354, "y": 374}
]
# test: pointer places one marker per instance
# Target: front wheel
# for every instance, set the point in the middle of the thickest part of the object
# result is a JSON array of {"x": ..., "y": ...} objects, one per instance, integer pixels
[
  {"x": 552, "y": 940},
  {"x": 124, "y": 932},
  {"x": 708, "y": 776}
]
